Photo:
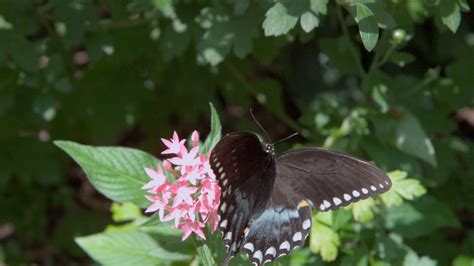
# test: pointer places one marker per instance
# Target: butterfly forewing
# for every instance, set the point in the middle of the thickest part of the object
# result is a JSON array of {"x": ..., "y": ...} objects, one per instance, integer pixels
[
  {"x": 242, "y": 169},
  {"x": 330, "y": 180}
]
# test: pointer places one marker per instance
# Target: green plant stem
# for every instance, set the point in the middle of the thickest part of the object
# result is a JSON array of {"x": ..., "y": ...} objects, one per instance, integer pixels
[
  {"x": 353, "y": 52},
  {"x": 204, "y": 252}
]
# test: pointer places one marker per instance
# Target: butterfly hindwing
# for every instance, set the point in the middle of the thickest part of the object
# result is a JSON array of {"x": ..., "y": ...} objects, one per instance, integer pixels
[
  {"x": 242, "y": 169},
  {"x": 277, "y": 229},
  {"x": 331, "y": 179}
]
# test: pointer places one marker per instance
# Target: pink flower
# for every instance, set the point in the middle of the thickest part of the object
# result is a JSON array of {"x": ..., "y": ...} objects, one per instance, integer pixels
[
  {"x": 174, "y": 146},
  {"x": 195, "y": 138},
  {"x": 189, "y": 227},
  {"x": 186, "y": 158},
  {"x": 192, "y": 199},
  {"x": 158, "y": 178}
]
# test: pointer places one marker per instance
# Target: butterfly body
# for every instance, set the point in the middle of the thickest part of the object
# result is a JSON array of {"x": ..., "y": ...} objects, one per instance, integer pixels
[{"x": 266, "y": 200}]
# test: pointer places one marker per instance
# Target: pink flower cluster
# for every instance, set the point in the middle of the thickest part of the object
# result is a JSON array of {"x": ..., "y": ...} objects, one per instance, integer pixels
[{"x": 192, "y": 199}]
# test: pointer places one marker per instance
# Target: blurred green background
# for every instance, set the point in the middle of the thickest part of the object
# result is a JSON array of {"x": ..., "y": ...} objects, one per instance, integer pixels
[{"x": 125, "y": 73}]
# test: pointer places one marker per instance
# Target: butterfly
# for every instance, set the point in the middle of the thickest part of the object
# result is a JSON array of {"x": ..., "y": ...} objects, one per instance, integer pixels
[{"x": 266, "y": 200}]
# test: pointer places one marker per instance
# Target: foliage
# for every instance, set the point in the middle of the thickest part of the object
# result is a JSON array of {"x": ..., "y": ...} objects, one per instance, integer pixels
[{"x": 382, "y": 79}]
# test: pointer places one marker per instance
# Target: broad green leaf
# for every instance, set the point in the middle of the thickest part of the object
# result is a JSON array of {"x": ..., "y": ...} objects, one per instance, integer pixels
[
  {"x": 116, "y": 172},
  {"x": 362, "y": 210},
  {"x": 215, "y": 134},
  {"x": 278, "y": 21},
  {"x": 125, "y": 248},
  {"x": 153, "y": 225},
  {"x": 407, "y": 134},
  {"x": 450, "y": 14},
  {"x": 309, "y": 21},
  {"x": 324, "y": 239},
  {"x": 402, "y": 188}
]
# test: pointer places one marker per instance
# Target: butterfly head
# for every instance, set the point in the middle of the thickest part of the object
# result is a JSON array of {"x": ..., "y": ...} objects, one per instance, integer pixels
[{"x": 270, "y": 148}]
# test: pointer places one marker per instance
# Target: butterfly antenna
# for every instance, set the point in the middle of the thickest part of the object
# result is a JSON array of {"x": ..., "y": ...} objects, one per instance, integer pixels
[
  {"x": 287, "y": 138},
  {"x": 260, "y": 126}
]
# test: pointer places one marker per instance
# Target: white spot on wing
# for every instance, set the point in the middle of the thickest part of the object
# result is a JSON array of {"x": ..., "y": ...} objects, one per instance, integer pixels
[
  {"x": 297, "y": 237},
  {"x": 365, "y": 191},
  {"x": 381, "y": 185},
  {"x": 222, "y": 176},
  {"x": 326, "y": 204},
  {"x": 285, "y": 245},
  {"x": 220, "y": 169},
  {"x": 223, "y": 206},
  {"x": 347, "y": 197},
  {"x": 336, "y": 201},
  {"x": 224, "y": 223},
  {"x": 249, "y": 247},
  {"x": 355, "y": 193},
  {"x": 322, "y": 207},
  {"x": 218, "y": 164},
  {"x": 271, "y": 251},
  {"x": 306, "y": 224},
  {"x": 228, "y": 236},
  {"x": 224, "y": 182},
  {"x": 386, "y": 182},
  {"x": 258, "y": 255},
  {"x": 373, "y": 188}
]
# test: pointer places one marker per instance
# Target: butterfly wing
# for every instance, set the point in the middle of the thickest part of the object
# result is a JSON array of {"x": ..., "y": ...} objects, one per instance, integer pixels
[
  {"x": 329, "y": 179},
  {"x": 282, "y": 225},
  {"x": 242, "y": 168}
]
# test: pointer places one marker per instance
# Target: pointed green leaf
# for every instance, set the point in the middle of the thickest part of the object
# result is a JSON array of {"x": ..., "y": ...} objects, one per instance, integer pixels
[
  {"x": 116, "y": 172},
  {"x": 368, "y": 27},
  {"x": 450, "y": 14},
  {"x": 215, "y": 134}
]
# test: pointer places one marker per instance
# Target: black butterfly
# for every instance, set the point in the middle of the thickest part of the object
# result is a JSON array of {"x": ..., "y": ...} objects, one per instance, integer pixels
[{"x": 266, "y": 200}]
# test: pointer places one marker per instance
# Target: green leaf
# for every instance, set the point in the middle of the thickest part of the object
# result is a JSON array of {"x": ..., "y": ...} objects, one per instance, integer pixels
[
  {"x": 204, "y": 252},
  {"x": 368, "y": 27},
  {"x": 319, "y": 6},
  {"x": 413, "y": 259},
  {"x": 463, "y": 261},
  {"x": 125, "y": 212},
  {"x": 309, "y": 21},
  {"x": 116, "y": 172},
  {"x": 402, "y": 188},
  {"x": 278, "y": 21},
  {"x": 407, "y": 134},
  {"x": 450, "y": 14},
  {"x": 362, "y": 211},
  {"x": 125, "y": 248},
  {"x": 215, "y": 134},
  {"x": 324, "y": 239}
]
